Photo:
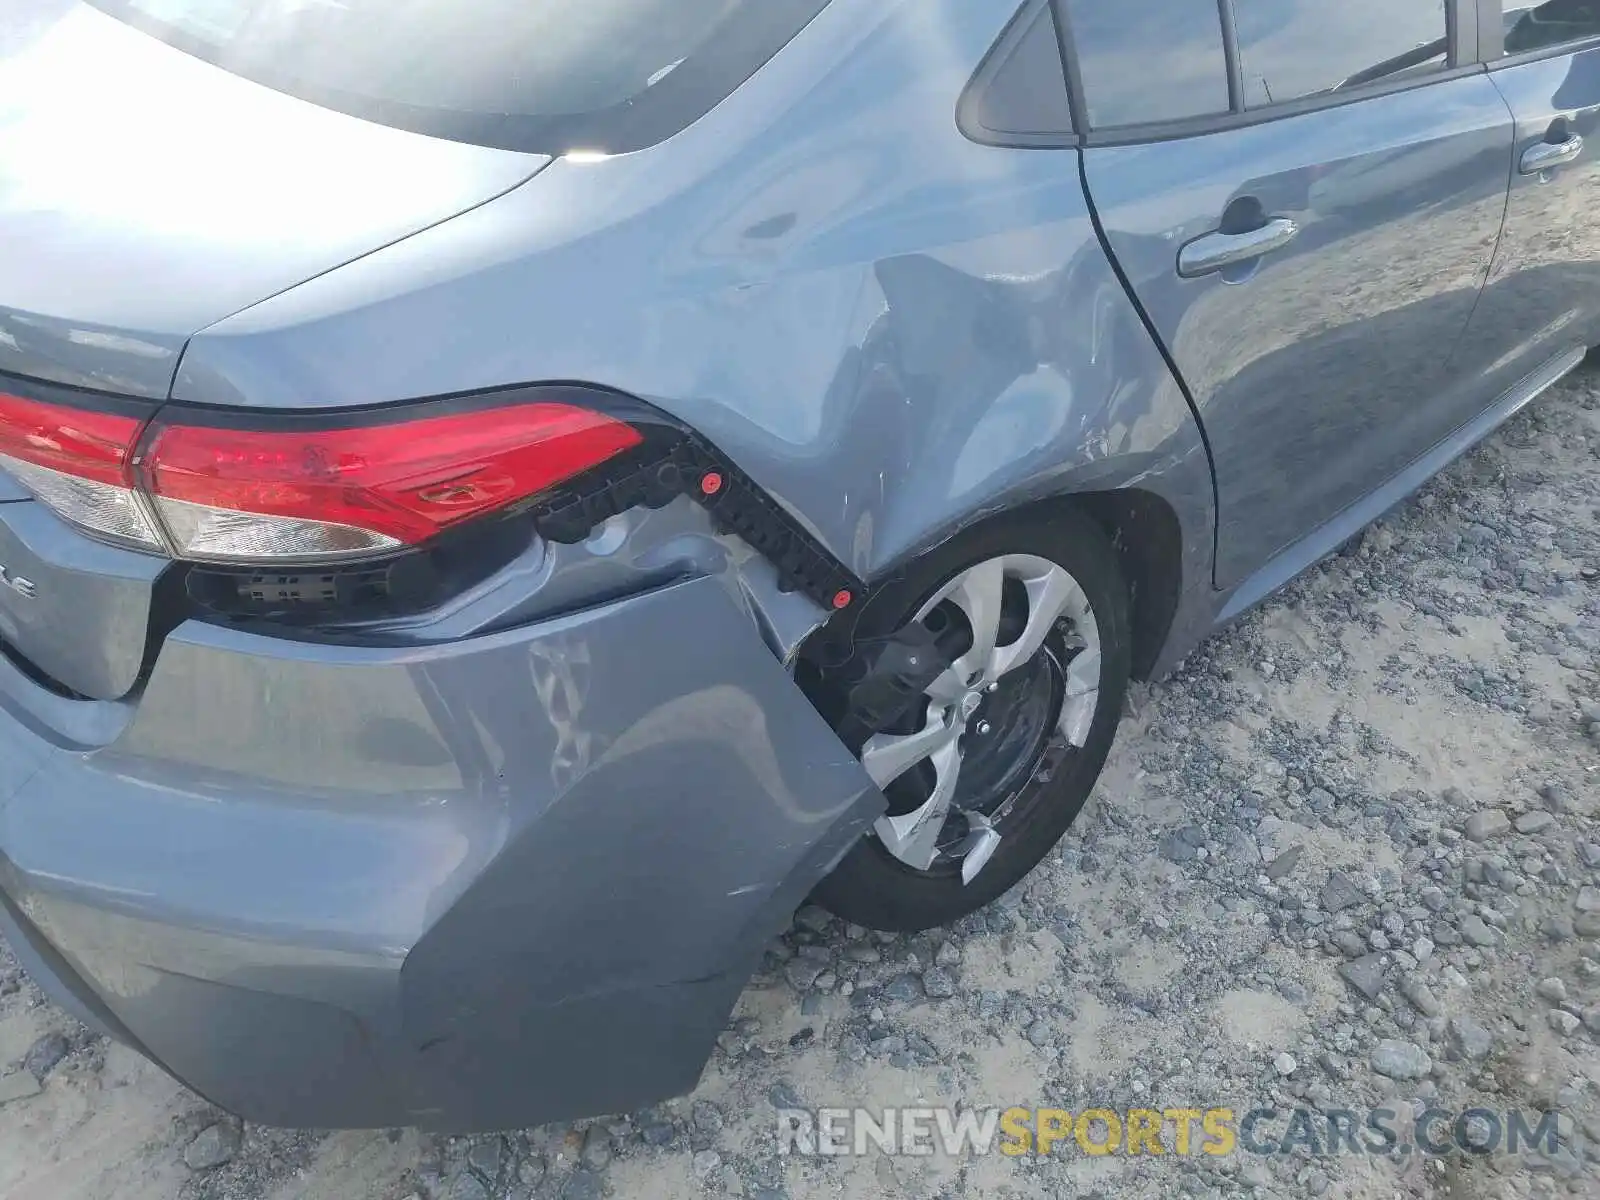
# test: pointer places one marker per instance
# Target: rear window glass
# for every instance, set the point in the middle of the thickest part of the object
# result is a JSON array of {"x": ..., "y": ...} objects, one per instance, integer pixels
[
  {"x": 1291, "y": 49},
  {"x": 545, "y": 75},
  {"x": 1536, "y": 26}
]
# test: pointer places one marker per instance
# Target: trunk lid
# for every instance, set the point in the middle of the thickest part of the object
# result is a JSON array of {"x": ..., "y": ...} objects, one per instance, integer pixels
[{"x": 145, "y": 194}]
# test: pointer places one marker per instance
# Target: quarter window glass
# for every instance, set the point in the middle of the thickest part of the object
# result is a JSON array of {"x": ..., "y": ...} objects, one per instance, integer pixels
[
  {"x": 1291, "y": 49},
  {"x": 1534, "y": 27},
  {"x": 1149, "y": 60}
]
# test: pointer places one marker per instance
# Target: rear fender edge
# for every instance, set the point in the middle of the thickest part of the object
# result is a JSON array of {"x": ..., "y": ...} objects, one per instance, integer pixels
[{"x": 1160, "y": 517}]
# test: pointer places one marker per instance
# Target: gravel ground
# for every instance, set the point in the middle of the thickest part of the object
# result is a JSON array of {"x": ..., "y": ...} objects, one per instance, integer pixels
[{"x": 1349, "y": 854}]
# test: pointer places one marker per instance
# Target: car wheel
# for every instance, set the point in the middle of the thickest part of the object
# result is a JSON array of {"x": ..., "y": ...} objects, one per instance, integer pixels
[{"x": 997, "y": 757}]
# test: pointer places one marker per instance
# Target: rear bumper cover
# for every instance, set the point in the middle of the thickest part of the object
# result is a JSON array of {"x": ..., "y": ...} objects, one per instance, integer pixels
[{"x": 480, "y": 885}]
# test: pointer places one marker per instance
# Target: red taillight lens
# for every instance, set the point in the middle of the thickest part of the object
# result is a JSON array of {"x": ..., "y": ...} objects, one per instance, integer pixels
[
  {"x": 79, "y": 463},
  {"x": 225, "y": 494},
  {"x": 349, "y": 491},
  {"x": 91, "y": 445}
]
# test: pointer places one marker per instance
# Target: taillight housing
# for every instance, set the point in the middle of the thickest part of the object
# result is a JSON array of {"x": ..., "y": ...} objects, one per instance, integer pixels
[
  {"x": 333, "y": 519},
  {"x": 214, "y": 488},
  {"x": 80, "y": 463}
]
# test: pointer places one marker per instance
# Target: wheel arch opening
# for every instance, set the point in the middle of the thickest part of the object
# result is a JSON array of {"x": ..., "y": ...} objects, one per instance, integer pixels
[
  {"x": 1143, "y": 529},
  {"x": 1148, "y": 539}
]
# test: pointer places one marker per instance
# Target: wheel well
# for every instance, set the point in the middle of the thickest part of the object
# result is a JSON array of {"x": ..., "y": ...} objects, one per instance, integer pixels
[
  {"x": 1149, "y": 543},
  {"x": 1144, "y": 531}
]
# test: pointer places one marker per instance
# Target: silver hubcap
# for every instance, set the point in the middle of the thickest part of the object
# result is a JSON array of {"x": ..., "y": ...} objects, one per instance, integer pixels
[{"x": 1054, "y": 599}]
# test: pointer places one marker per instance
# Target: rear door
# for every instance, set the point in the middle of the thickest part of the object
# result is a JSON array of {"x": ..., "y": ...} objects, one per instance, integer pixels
[
  {"x": 1305, "y": 198},
  {"x": 1543, "y": 298}
]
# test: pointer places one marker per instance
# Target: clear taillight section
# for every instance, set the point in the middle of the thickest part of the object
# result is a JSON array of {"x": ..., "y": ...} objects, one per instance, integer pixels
[
  {"x": 98, "y": 507},
  {"x": 227, "y": 494}
]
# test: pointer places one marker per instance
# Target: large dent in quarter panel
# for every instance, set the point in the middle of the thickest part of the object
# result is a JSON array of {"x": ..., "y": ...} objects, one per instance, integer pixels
[{"x": 891, "y": 328}]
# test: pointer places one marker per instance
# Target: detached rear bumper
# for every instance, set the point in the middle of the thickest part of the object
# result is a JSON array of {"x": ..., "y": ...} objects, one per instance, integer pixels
[{"x": 479, "y": 885}]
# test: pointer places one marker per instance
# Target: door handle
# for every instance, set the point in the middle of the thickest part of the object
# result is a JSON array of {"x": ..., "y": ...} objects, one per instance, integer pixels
[
  {"x": 1549, "y": 155},
  {"x": 1215, "y": 251}
]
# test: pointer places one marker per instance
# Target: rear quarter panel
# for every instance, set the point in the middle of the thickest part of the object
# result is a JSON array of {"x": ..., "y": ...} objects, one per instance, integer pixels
[{"x": 894, "y": 329}]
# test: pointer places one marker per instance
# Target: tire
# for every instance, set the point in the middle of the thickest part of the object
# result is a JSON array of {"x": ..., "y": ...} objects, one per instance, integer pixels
[{"x": 871, "y": 886}]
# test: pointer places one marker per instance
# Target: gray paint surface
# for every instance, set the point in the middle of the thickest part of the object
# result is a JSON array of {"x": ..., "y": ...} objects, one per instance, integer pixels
[
  {"x": 405, "y": 860},
  {"x": 889, "y": 326},
  {"x": 1321, "y": 370},
  {"x": 1350, "y": 521},
  {"x": 85, "y": 618},
  {"x": 483, "y": 883},
  {"x": 514, "y": 859},
  {"x": 1543, "y": 295}
]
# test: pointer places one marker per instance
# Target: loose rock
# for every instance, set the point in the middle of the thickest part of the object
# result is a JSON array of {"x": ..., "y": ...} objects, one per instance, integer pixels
[
  {"x": 1401, "y": 1060},
  {"x": 1471, "y": 1039},
  {"x": 802, "y": 973},
  {"x": 1552, "y": 989},
  {"x": 904, "y": 988},
  {"x": 1285, "y": 862},
  {"x": 597, "y": 1151},
  {"x": 582, "y": 1185},
  {"x": 1365, "y": 975},
  {"x": 1491, "y": 823},
  {"x": 1558, "y": 927},
  {"x": 1421, "y": 996},
  {"x": 1339, "y": 893},
  {"x": 1174, "y": 848},
  {"x": 45, "y": 1054},
  {"x": 939, "y": 983},
  {"x": 213, "y": 1146},
  {"x": 1533, "y": 822},
  {"x": 1349, "y": 943}
]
